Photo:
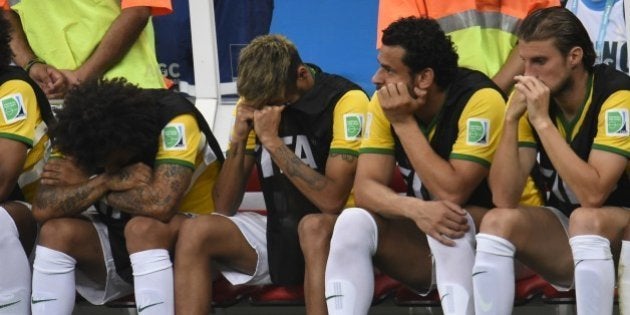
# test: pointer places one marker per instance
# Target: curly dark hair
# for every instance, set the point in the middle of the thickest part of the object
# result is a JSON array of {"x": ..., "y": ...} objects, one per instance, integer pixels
[
  {"x": 102, "y": 118},
  {"x": 426, "y": 46},
  {"x": 5, "y": 39}
]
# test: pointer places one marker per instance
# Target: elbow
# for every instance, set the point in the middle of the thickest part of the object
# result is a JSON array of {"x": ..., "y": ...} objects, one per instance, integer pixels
[
  {"x": 501, "y": 202},
  {"x": 593, "y": 200}
]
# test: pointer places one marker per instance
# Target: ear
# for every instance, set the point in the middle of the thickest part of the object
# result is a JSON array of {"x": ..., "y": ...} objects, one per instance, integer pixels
[
  {"x": 302, "y": 72},
  {"x": 424, "y": 79},
  {"x": 575, "y": 56}
]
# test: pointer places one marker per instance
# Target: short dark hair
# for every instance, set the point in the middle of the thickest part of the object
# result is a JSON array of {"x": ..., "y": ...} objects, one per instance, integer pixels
[
  {"x": 101, "y": 117},
  {"x": 563, "y": 27},
  {"x": 5, "y": 39},
  {"x": 426, "y": 46}
]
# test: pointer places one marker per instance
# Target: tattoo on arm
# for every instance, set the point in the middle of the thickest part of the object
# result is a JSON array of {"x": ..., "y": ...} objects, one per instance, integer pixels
[
  {"x": 297, "y": 168},
  {"x": 66, "y": 200},
  {"x": 344, "y": 156},
  {"x": 173, "y": 181}
]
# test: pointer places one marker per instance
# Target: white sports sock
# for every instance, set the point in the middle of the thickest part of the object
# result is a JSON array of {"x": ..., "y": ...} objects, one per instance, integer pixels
[
  {"x": 153, "y": 282},
  {"x": 594, "y": 274},
  {"x": 15, "y": 274},
  {"x": 493, "y": 275},
  {"x": 349, "y": 272},
  {"x": 624, "y": 278},
  {"x": 53, "y": 282},
  {"x": 453, "y": 271}
]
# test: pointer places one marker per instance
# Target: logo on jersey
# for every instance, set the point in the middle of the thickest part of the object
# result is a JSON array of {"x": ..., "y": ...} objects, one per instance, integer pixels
[
  {"x": 353, "y": 125},
  {"x": 174, "y": 137},
  {"x": 478, "y": 131},
  {"x": 617, "y": 122},
  {"x": 13, "y": 108}
]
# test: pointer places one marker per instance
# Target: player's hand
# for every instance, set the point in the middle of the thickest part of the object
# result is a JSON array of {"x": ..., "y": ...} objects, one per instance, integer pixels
[
  {"x": 397, "y": 102},
  {"x": 267, "y": 122},
  {"x": 51, "y": 80},
  {"x": 243, "y": 123},
  {"x": 537, "y": 95},
  {"x": 442, "y": 220},
  {"x": 516, "y": 107},
  {"x": 63, "y": 172},
  {"x": 129, "y": 177}
]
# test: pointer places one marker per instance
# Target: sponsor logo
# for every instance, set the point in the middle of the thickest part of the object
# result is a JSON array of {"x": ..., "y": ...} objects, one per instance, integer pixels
[
  {"x": 478, "y": 131},
  {"x": 9, "y": 304},
  {"x": 174, "y": 137},
  {"x": 333, "y": 296},
  {"x": 13, "y": 108},
  {"x": 142, "y": 308},
  {"x": 617, "y": 122},
  {"x": 353, "y": 124},
  {"x": 34, "y": 301}
]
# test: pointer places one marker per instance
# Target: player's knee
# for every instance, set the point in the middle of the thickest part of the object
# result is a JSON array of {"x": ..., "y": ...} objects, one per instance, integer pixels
[
  {"x": 59, "y": 234},
  {"x": 315, "y": 230},
  {"x": 195, "y": 233},
  {"x": 143, "y": 233},
  {"x": 587, "y": 221},
  {"x": 355, "y": 228},
  {"x": 501, "y": 222}
]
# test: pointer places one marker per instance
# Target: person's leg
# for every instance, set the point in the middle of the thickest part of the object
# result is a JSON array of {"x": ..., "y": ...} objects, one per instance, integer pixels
[
  {"x": 593, "y": 232},
  {"x": 149, "y": 242},
  {"x": 202, "y": 240},
  {"x": 315, "y": 231},
  {"x": 17, "y": 234},
  {"x": 453, "y": 268},
  {"x": 623, "y": 284},
  {"x": 397, "y": 247},
  {"x": 533, "y": 235},
  {"x": 64, "y": 244}
]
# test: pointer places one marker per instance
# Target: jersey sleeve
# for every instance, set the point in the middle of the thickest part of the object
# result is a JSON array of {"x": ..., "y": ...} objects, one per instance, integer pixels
[
  {"x": 613, "y": 133},
  {"x": 20, "y": 113},
  {"x": 179, "y": 142},
  {"x": 480, "y": 127},
  {"x": 5, "y": 5},
  {"x": 349, "y": 122},
  {"x": 158, "y": 7},
  {"x": 378, "y": 136}
]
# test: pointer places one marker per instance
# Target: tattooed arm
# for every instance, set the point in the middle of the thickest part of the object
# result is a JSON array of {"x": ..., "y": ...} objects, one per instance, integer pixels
[
  {"x": 66, "y": 190},
  {"x": 329, "y": 192},
  {"x": 158, "y": 197}
]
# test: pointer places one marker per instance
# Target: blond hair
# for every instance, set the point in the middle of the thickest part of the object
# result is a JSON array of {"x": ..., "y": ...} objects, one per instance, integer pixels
[{"x": 267, "y": 68}]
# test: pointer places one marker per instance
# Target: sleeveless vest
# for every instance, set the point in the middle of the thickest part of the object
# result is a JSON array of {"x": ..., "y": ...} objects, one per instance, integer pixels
[
  {"x": 466, "y": 83},
  {"x": 606, "y": 81},
  {"x": 307, "y": 129}
]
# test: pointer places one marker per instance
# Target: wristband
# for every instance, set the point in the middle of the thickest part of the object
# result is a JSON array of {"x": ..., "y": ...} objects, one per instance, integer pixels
[{"x": 32, "y": 62}]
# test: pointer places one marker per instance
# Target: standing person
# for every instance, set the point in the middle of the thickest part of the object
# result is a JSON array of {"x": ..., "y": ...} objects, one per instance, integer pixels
[
  {"x": 483, "y": 32},
  {"x": 133, "y": 160},
  {"x": 575, "y": 116},
  {"x": 61, "y": 44},
  {"x": 302, "y": 128},
  {"x": 24, "y": 142},
  {"x": 441, "y": 124},
  {"x": 605, "y": 23}
]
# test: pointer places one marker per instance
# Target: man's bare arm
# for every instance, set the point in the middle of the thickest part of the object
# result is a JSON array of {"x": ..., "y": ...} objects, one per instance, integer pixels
[{"x": 159, "y": 197}]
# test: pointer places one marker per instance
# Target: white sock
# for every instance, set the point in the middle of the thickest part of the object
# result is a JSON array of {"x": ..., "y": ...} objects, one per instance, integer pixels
[
  {"x": 594, "y": 274},
  {"x": 624, "y": 278},
  {"x": 349, "y": 271},
  {"x": 493, "y": 275},
  {"x": 453, "y": 271},
  {"x": 153, "y": 281},
  {"x": 15, "y": 273},
  {"x": 53, "y": 282}
]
